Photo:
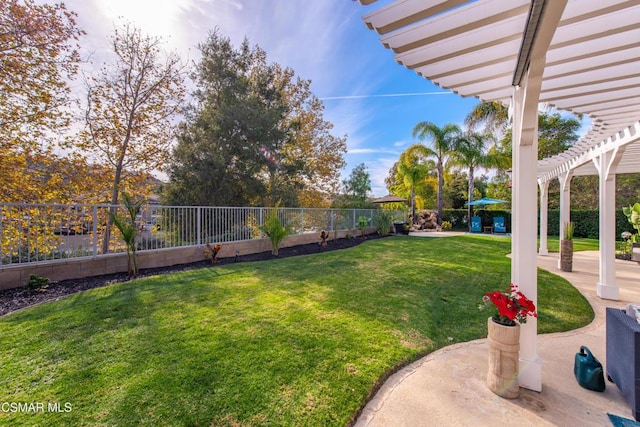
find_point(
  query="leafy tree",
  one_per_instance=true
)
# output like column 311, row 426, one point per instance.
column 442, row 141
column 255, row 135
column 455, row 189
column 493, row 116
column 585, row 191
column 130, row 107
column 628, row 189
column 555, row 135
column 499, row 187
column 310, row 158
column 38, row 55
column 231, row 134
column 356, row 189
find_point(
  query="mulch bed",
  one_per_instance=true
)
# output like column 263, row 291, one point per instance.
column 19, row 298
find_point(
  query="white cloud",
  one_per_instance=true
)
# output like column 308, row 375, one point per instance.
column 372, row 151
column 378, row 171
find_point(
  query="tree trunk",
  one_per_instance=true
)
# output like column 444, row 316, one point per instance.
column 114, row 201
column 440, row 185
column 413, row 204
column 470, row 197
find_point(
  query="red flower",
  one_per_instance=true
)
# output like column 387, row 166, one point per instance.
column 512, row 306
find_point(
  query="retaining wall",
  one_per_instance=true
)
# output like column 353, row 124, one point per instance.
column 16, row 276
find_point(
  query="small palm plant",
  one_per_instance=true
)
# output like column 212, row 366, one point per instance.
column 568, row 230
column 126, row 224
column 274, row 229
column 363, row 222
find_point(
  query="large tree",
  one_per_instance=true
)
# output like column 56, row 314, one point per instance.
column 309, row 160
column 254, row 136
column 441, row 142
column 38, row 55
column 131, row 105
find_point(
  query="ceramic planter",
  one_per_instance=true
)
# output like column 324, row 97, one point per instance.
column 504, row 349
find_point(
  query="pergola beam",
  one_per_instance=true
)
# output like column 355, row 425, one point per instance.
column 627, row 136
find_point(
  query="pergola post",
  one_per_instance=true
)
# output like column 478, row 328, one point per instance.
column 606, row 164
column 524, row 271
column 526, row 95
column 565, row 203
column 544, row 217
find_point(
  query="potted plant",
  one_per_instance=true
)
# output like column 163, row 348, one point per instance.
column 566, row 248
column 503, row 333
column 406, row 228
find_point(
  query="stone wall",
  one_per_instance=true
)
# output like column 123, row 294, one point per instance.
column 17, row 275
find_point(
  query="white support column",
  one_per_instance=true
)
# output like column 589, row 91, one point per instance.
column 524, row 232
column 565, row 203
column 544, row 214
column 526, row 95
column 606, row 164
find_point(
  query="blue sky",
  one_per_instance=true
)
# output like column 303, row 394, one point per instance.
column 324, row 41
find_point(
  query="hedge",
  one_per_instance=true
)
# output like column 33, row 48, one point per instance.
column 586, row 222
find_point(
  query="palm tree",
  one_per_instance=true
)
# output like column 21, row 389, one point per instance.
column 412, row 172
column 471, row 152
column 442, row 145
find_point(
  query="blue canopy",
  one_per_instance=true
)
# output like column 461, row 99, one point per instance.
column 485, row 201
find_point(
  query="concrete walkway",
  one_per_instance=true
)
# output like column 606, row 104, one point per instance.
column 447, row 387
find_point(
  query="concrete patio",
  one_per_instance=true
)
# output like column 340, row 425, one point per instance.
column 448, row 387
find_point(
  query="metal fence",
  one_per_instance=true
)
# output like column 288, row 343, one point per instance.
column 41, row 232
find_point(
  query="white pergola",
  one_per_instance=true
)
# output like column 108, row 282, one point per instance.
column 575, row 55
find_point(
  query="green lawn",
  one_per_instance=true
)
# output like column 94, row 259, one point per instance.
column 297, row 341
column 579, row 244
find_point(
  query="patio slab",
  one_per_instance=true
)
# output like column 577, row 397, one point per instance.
column 447, row 387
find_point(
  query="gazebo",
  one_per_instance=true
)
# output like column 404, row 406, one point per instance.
column 579, row 55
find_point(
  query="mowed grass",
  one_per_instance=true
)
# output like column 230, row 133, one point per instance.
column 296, row 341
column 579, row 244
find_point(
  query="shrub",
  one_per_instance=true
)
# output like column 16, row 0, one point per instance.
column 383, row 220
column 37, row 282
column 446, row 226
